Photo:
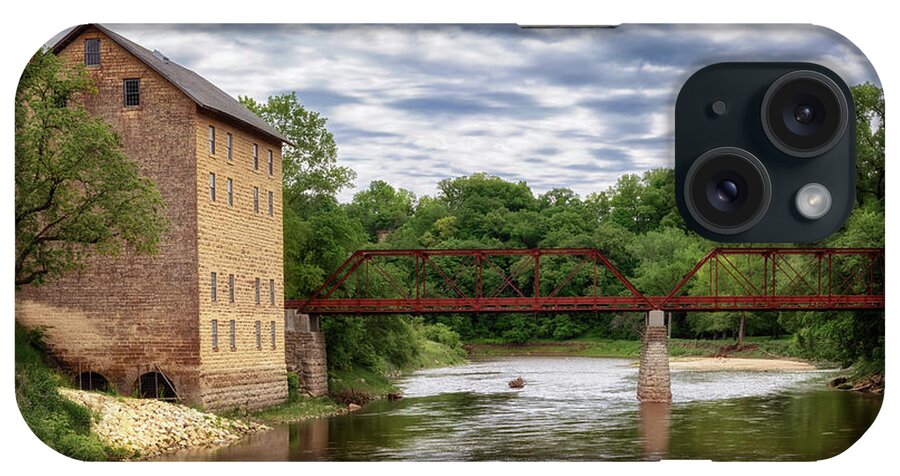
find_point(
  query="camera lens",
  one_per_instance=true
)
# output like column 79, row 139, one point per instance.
column 804, row 113
column 727, row 190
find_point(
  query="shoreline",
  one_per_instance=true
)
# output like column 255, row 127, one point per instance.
column 718, row 364
column 146, row 428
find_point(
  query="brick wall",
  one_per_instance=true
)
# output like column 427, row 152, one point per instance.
column 234, row 239
column 121, row 315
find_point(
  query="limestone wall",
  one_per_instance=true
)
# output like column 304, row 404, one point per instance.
column 653, row 376
column 305, row 353
column 242, row 243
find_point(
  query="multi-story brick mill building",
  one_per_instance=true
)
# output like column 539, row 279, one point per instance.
column 203, row 319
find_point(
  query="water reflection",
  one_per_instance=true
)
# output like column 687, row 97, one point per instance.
column 654, row 429
column 578, row 409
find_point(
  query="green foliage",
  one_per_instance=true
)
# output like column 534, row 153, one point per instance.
column 379, row 343
column 57, row 421
column 309, row 162
column 293, row 387
column 442, row 334
column 316, row 244
column 635, row 223
column 319, row 233
column 439, row 346
column 869, row 100
column 359, row 381
column 381, row 208
column 567, row 327
column 665, row 257
column 76, row 191
column 297, row 409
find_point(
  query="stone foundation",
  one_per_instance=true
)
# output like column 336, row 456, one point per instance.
column 653, row 376
column 304, row 345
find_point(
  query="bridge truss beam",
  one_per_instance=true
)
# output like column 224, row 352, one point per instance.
column 584, row 280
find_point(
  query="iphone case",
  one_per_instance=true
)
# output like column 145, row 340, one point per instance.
column 287, row 221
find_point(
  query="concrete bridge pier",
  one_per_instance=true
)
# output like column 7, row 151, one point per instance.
column 304, row 352
column 653, row 375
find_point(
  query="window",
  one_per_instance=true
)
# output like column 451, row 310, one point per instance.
column 212, row 286
column 271, row 202
column 214, row 333
column 272, row 292
column 255, row 157
column 132, row 89
column 257, row 290
column 272, row 328
column 258, row 334
column 212, row 140
column 212, row 187
column 271, row 164
column 230, row 288
column 92, row 52
column 230, row 192
column 256, row 199
column 228, row 146
column 231, row 341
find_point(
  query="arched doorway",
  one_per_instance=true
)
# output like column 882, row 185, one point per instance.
column 155, row 385
column 92, row 381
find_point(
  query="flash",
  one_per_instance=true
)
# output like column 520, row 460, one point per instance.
column 813, row 201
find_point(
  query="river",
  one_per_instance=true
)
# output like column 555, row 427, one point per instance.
column 577, row 409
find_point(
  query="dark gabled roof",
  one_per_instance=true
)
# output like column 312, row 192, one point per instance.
column 201, row 91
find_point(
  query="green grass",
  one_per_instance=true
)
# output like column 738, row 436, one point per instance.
column 60, row 423
column 434, row 354
column 359, row 380
column 300, row 408
column 360, row 385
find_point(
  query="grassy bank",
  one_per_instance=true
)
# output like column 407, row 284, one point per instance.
column 599, row 347
column 60, row 423
column 299, row 408
column 359, row 385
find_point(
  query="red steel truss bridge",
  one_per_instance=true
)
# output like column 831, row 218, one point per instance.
column 585, row 280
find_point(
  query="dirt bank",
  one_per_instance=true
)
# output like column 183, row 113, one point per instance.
column 147, row 428
column 734, row 363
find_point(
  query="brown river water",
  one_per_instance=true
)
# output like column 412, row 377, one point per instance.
column 576, row 408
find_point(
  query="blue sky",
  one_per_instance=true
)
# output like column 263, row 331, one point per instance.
column 554, row 107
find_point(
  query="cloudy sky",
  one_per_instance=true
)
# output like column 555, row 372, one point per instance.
column 553, row 107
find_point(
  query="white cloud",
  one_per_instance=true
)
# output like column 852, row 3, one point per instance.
column 557, row 108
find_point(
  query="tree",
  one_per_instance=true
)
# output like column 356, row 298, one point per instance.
column 318, row 233
column 869, row 101
column 76, row 191
column 309, row 162
column 665, row 257
column 382, row 208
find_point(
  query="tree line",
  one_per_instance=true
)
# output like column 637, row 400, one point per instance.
column 635, row 222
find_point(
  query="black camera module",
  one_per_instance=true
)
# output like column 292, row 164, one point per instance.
column 727, row 190
column 779, row 166
column 804, row 113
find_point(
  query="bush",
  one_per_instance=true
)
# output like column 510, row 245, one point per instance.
column 566, row 327
column 293, row 383
column 57, row 421
column 442, row 334
column 374, row 342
